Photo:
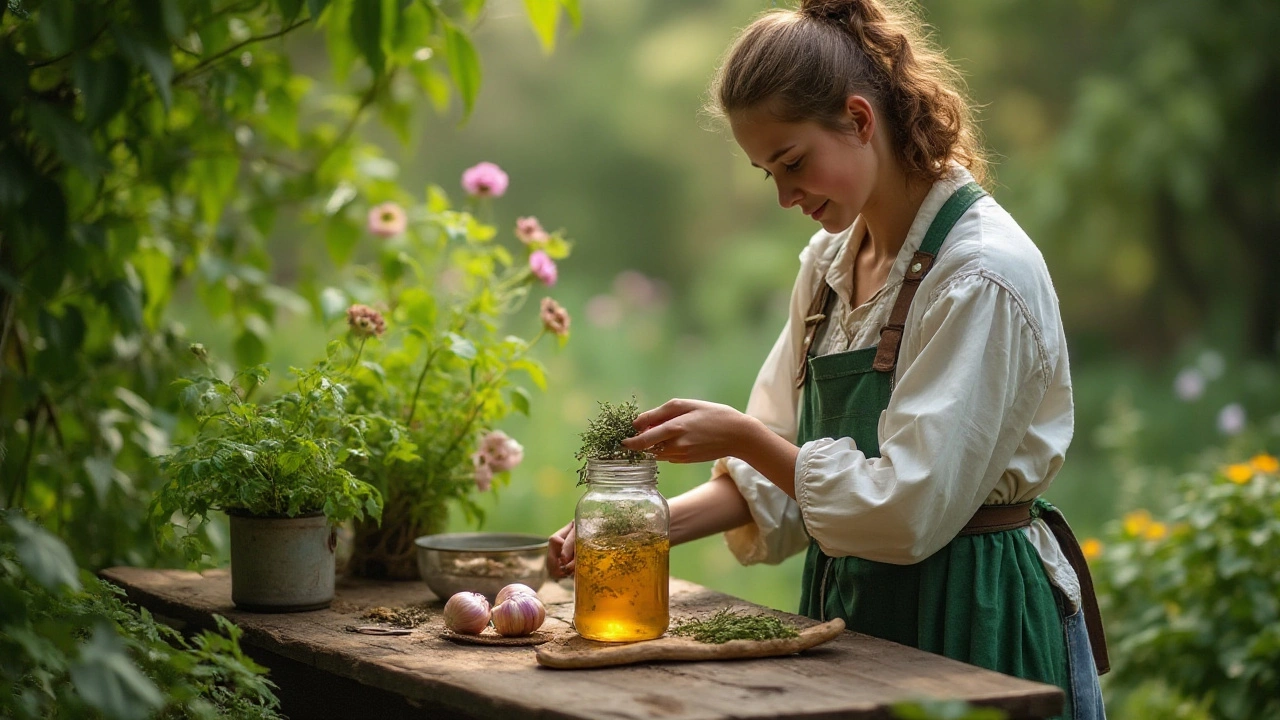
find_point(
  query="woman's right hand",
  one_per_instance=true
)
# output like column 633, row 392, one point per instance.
column 560, row 549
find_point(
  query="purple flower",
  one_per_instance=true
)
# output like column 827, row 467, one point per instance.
column 1232, row 419
column 1189, row 385
column 543, row 267
column 484, row 180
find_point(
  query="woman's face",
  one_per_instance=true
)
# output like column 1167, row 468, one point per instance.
column 827, row 174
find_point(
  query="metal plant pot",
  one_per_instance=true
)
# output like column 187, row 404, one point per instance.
column 281, row 564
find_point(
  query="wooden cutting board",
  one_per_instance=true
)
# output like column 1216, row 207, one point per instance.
column 578, row 652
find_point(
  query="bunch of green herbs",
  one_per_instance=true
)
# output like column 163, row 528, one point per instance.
column 729, row 624
column 603, row 437
column 286, row 457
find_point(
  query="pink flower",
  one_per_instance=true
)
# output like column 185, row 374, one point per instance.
column 364, row 321
column 387, row 220
column 530, row 231
column 484, row 180
column 636, row 288
column 554, row 317
column 604, row 311
column 1232, row 419
column 1189, row 385
column 484, row 473
column 501, row 453
column 543, row 266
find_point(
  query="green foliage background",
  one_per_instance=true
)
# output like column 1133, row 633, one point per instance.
column 164, row 197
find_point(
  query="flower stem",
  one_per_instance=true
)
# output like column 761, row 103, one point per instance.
column 413, row 404
column 356, row 359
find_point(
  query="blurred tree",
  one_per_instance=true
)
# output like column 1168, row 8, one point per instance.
column 1140, row 151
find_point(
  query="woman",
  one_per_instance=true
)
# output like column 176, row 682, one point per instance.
column 918, row 401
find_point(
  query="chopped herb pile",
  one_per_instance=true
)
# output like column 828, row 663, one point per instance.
column 604, row 435
column 409, row 616
column 729, row 625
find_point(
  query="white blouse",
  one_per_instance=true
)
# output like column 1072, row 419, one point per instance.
column 981, row 410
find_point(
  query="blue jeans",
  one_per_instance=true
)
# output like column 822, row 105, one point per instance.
column 1086, row 693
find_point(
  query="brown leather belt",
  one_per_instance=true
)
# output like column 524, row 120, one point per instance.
column 998, row 518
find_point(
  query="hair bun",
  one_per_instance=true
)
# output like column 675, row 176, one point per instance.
column 839, row 11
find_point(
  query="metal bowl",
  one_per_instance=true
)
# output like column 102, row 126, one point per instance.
column 481, row 562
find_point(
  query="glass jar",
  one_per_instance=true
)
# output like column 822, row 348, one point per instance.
column 621, row 553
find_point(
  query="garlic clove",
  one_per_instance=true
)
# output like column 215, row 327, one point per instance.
column 519, row 615
column 467, row 612
column 513, row 589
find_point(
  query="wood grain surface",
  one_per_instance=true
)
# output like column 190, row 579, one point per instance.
column 852, row 676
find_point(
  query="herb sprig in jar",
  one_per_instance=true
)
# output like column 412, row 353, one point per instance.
column 603, row 437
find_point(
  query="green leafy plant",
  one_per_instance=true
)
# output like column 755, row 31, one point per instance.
column 70, row 646
column 446, row 367
column 1192, row 601
column 282, row 458
column 153, row 150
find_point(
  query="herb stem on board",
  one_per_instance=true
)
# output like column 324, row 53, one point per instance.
column 728, row 625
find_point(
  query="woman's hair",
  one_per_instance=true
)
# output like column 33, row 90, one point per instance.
column 805, row 63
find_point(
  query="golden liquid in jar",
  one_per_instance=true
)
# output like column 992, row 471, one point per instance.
column 621, row 588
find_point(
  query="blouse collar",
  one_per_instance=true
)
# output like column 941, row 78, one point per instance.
column 839, row 273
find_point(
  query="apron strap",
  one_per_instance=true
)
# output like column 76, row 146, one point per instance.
column 812, row 319
column 1088, row 597
column 921, row 263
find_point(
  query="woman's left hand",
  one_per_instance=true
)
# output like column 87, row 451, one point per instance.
column 690, row 431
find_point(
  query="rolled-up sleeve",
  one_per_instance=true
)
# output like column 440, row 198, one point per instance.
column 970, row 379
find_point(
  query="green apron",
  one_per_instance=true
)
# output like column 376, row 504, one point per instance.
column 982, row 599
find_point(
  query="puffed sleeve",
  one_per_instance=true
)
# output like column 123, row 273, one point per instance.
column 967, row 391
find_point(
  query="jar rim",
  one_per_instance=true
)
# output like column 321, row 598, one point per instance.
column 622, row 470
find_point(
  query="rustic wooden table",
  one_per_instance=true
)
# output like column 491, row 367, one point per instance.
column 325, row 671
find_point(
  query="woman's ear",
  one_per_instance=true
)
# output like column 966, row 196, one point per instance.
column 861, row 117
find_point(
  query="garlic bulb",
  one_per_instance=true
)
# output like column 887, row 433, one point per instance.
column 467, row 612
column 513, row 589
column 519, row 615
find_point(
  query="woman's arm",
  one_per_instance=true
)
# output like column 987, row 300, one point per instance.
column 710, row 508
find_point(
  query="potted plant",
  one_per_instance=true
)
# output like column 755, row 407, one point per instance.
column 447, row 369
column 281, row 471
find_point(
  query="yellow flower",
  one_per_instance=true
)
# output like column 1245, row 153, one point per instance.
column 1265, row 463
column 1091, row 548
column 1136, row 522
column 1240, row 473
column 1155, row 531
